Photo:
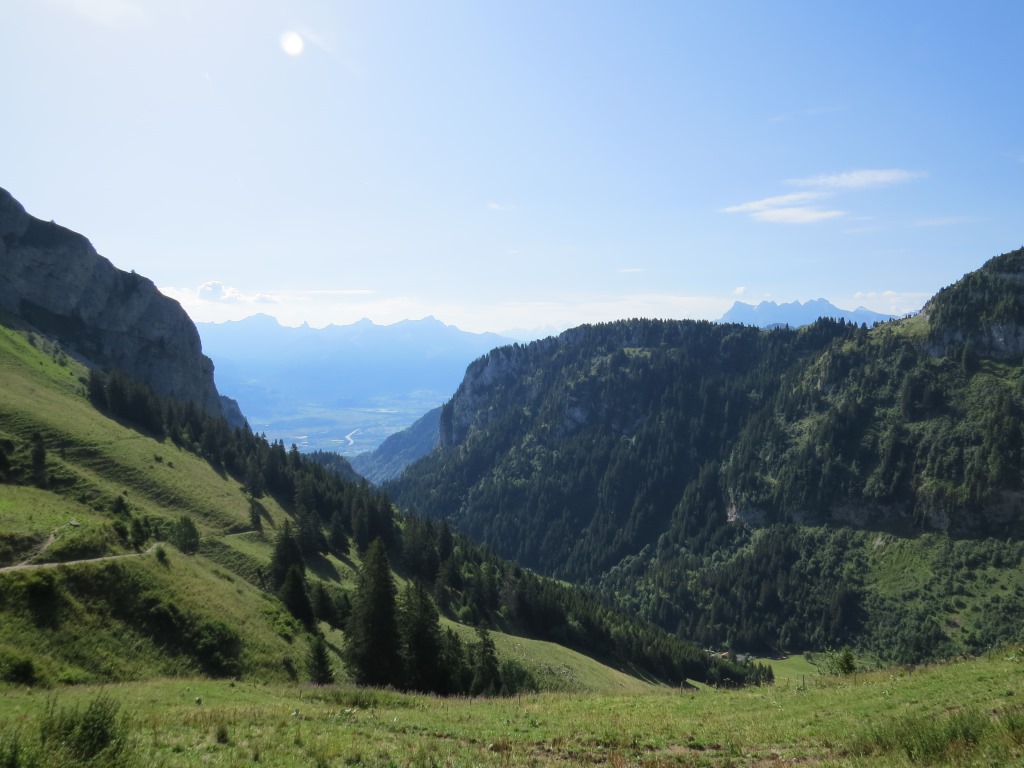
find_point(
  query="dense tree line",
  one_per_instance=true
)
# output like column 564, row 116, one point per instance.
column 448, row 573
column 635, row 456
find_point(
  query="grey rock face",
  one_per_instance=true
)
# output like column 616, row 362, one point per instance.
column 53, row 279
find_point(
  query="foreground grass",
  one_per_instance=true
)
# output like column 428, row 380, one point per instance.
column 964, row 713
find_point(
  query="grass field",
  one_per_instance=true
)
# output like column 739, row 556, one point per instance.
column 792, row 670
column 964, row 713
column 79, row 632
column 74, row 626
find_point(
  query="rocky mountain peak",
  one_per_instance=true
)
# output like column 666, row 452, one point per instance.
column 53, row 280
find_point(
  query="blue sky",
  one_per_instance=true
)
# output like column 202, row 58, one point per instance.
column 520, row 164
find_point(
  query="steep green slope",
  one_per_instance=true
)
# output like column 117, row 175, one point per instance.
column 644, row 456
column 93, row 513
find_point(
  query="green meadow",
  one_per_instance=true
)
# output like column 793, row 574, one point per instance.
column 963, row 713
column 86, row 684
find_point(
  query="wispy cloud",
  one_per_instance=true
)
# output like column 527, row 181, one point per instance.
column 216, row 291
column 858, row 179
column 215, row 301
column 787, row 209
column 774, row 202
column 795, row 215
column 500, row 206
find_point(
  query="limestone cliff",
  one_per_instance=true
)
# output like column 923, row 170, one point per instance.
column 53, row 279
column 983, row 311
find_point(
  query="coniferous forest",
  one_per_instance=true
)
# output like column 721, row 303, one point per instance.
column 727, row 483
column 395, row 638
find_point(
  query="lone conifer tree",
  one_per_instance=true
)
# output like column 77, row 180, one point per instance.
column 286, row 554
column 372, row 648
column 319, row 662
column 295, row 597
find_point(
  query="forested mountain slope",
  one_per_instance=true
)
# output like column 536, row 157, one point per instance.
column 641, row 453
column 190, row 548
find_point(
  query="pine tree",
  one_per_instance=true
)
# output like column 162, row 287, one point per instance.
column 286, row 554
column 323, row 604
column 337, row 537
column 318, row 663
column 420, row 636
column 185, row 535
column 372, row 650
column 486, row 673
column 295, row 597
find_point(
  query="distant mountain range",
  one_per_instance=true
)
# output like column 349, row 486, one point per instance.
column 343, row 387
column 795, row 314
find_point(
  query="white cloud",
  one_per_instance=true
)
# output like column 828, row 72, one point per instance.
column 795, row 215
column 739, row 291
column 629, row 270
column 862, row 179
column 773, row 202
column 216, row 291
column 784, row 209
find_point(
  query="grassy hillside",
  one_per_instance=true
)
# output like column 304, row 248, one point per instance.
column 92, row 588
column 960, row 714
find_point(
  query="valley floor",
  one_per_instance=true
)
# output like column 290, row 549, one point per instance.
column 964, row 713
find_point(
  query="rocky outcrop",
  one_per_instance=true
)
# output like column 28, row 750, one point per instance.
column 53, row 280
column 983, row 311
column 500, row 368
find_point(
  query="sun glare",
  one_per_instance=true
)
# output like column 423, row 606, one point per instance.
column 292, row 43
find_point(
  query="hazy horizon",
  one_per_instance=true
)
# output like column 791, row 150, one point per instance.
column 520, row 166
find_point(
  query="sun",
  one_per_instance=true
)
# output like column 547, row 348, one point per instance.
column 292, row 43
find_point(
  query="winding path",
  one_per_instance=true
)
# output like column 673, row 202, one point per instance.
column 24, row 566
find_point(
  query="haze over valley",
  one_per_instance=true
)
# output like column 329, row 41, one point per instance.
column 475, row 384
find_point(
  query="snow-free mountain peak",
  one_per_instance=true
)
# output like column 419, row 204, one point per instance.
column 796, row 313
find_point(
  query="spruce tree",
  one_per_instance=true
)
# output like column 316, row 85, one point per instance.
column 420, row 631
column 337, row 537
column 372, row 650
column 295, row 597
column 286, row 554
column 323, row 604
column 318, row 663
column 185, row 535
column 486, row 673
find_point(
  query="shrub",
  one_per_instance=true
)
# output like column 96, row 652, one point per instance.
column 925, row 739
column 96, row 735
column 18, row 669
column 515, row 678
column 221, row 734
